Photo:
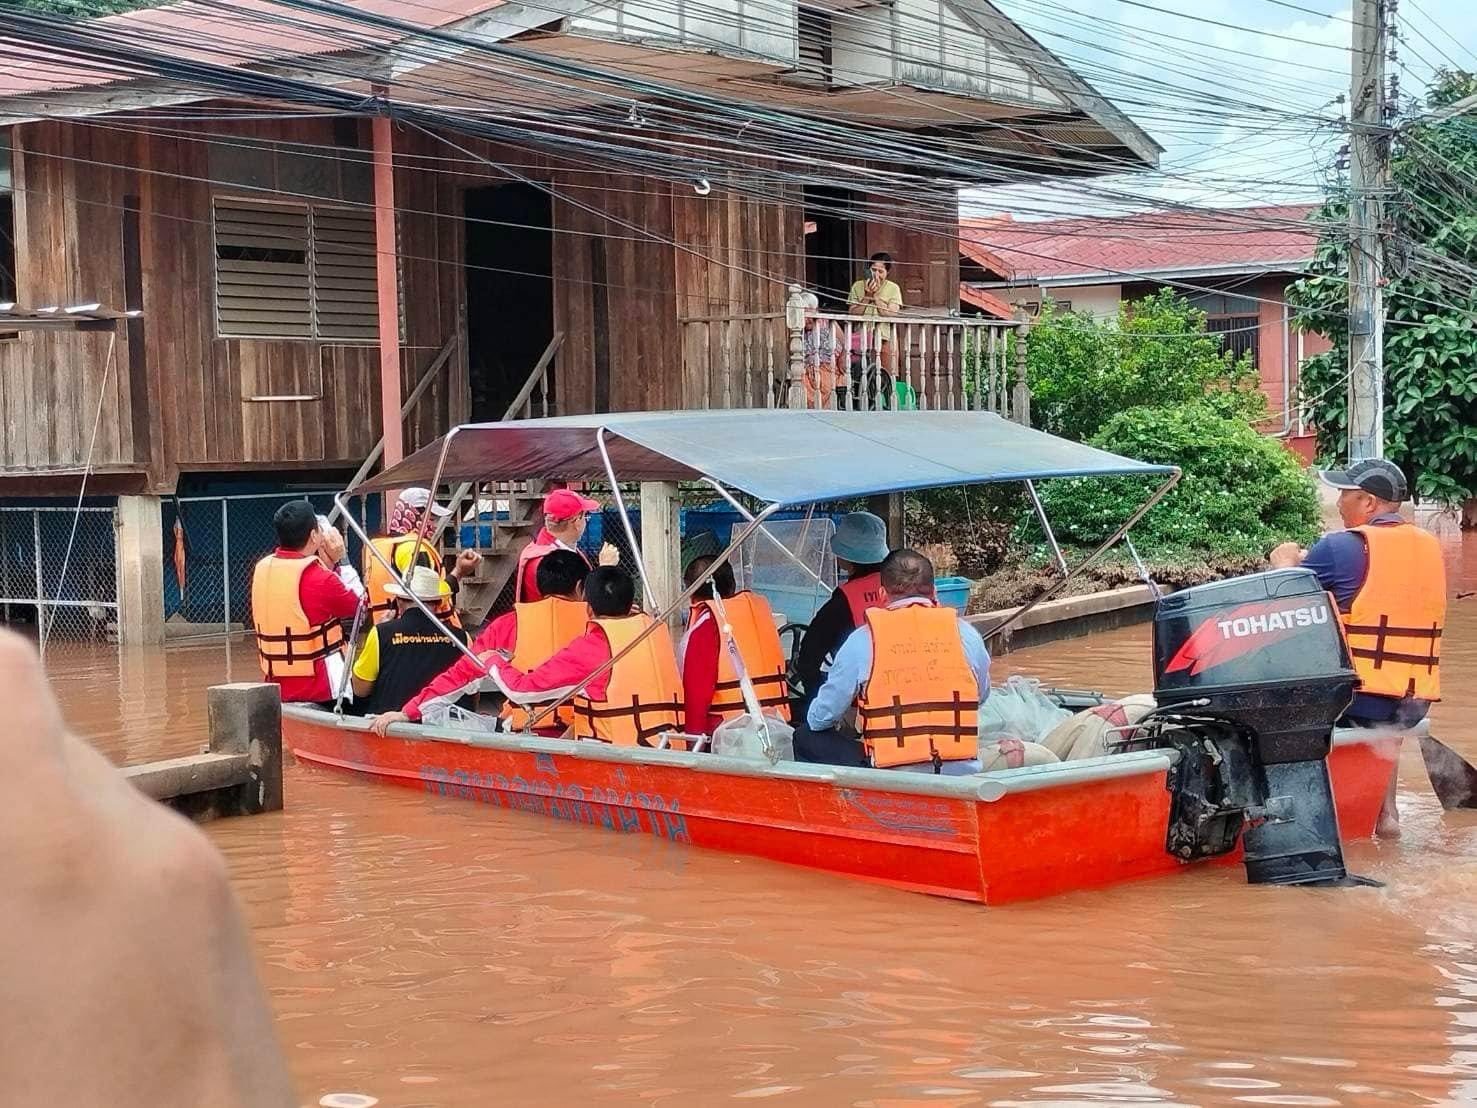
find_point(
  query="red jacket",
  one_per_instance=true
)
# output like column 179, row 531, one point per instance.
column 323, row 597
column 567, row 668
column 464, row 676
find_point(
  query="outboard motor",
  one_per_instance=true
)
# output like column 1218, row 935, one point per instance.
column 1250, row 675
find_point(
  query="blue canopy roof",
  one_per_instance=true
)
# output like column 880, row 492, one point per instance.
column 780, row 456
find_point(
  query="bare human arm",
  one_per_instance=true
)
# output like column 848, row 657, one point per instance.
column 128, row 971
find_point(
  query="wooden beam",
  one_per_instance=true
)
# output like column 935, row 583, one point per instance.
column 388, row 284
column 661, row 545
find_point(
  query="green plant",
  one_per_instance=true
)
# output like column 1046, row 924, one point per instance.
column 1241, row 493
column 1155, row 353
column 1430, row 335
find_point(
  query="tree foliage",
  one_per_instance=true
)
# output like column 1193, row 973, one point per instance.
column 1241, row 492
column 83, row 9
column 1155, row 353
column 1430, row 336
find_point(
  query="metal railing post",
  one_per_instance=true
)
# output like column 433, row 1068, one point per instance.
column 225, row 565
column 40, row 584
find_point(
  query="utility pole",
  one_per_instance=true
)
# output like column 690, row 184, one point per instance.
column 1369, row 180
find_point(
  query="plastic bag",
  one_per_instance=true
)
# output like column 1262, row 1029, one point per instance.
column 1019, row 710
column 456, row 718
column 744, row 737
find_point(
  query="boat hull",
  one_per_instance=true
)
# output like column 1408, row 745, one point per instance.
column 993, row 838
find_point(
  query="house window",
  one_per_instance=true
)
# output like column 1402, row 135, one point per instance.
column 295, row 271
column 1238, row 334
column 813, row 37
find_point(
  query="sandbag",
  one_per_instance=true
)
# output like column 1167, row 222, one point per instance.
column 1019, row 709
column 744, row 737
column 1013, row 753
column 1089, row 732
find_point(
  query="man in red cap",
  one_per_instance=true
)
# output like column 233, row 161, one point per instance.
column 565, row 513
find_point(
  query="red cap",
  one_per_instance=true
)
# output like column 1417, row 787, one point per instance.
column 565, row 504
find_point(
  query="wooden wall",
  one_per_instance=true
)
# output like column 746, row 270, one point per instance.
column 632, row 257
column 69, row 250
column 926, row 261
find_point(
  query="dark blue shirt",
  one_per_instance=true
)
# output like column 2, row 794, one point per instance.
column 1341, row 561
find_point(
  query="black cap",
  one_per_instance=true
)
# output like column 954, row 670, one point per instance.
column 1375, row 476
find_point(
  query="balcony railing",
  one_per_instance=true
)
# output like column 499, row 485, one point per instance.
column 832, row 360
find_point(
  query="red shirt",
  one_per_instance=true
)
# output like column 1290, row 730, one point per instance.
column 530, row 570
column 323, row 597
column 700, row 674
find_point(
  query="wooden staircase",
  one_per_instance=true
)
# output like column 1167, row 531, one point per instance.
column 491, row 588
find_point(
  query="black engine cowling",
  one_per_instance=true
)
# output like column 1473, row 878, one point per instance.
column 1251, row 674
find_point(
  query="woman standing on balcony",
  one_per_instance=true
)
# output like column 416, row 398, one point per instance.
column 826, row 375
column 872, row 297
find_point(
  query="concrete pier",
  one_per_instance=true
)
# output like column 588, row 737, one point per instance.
column 239, row 773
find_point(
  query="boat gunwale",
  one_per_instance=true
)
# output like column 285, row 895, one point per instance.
column 987, row 786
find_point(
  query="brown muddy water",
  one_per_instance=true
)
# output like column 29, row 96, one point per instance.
column 430, row 952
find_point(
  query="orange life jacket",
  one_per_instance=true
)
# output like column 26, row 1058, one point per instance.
column 920, row 702
column 863, row 594
column 544, row 628
column 376, row 576
column 1395, row 623
column 287, row 644
column 644, row 695
column 751, row 625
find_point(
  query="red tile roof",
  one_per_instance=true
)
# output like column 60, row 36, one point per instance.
column 1146, row 243
column 249, row 31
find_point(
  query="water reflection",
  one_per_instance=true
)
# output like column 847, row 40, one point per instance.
column 430, row 952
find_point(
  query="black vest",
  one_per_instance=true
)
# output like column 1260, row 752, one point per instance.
column 413, row 650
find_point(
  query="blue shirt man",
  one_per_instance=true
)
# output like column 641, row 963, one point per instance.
column 826, row 737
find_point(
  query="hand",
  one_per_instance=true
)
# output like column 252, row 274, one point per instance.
column 113, row 899
column 466, row 564
column 1287, row 556
column 874, row 285
column 381, row 723
column 609, row 555
column 331, row 548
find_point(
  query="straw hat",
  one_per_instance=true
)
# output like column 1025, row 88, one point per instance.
column 424, row 583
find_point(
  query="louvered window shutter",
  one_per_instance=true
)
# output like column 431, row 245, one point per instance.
column 262, row 284
column 344, row 296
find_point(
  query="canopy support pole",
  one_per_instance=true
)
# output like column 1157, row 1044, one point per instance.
column 1112, row 539
column 647, row 597
column 1056, row 550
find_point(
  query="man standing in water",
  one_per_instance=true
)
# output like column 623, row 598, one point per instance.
column 1389, row 581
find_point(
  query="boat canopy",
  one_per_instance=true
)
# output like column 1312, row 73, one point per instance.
column 782, row 456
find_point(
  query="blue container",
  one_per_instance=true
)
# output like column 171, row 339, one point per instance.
column 953, row 591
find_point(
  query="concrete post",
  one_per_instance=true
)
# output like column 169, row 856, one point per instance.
column 247, row 719
column 661, row 543
column 140, row 568
column 1021, row 402
column 795, row 325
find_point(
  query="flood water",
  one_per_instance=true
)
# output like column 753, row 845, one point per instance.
column 431, row 952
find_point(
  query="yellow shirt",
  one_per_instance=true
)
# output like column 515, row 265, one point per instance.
column 367, row 665
column 889, row 295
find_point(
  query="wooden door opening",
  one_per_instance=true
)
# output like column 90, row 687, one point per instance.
column 830, row 244
column 510, row 292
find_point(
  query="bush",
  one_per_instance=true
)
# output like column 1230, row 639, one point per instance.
column 1241, row 493
column 1156, row 353
column 974, row 524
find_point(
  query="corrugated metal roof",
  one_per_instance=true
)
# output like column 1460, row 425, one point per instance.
column 1142, row 243
column 256, row 31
